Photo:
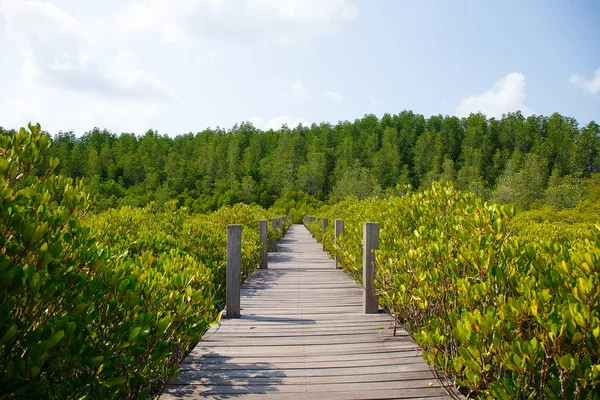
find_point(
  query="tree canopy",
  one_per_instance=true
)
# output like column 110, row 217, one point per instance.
column 512, row 159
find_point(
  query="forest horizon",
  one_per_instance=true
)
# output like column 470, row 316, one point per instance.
column 514, row 159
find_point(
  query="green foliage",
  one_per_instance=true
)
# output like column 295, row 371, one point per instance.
column 296, row 205
column 563, row 192
column 566, row 226
column 507, row 159
column 506, row 317
column 104, row 306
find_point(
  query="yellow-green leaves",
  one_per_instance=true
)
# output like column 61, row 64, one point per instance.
column 518, row 315
column 108, row 304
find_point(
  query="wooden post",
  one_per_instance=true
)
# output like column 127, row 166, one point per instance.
column 370, row 243
column 325, row 222
column 280, row 223
column 274, row 229
column 234, row 256
column 262, row 232
column 339, row 229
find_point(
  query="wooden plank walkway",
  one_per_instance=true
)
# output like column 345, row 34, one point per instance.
column 303, row 335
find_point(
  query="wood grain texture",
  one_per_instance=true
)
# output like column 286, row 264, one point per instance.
column 262, row 232
column 370, row 243
column 303, row 334
column 234, row 258
column 274, row 229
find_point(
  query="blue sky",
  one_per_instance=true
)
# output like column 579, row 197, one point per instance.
column 184, row 65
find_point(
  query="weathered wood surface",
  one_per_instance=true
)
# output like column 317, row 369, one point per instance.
column 234, row 258
column 303, row 335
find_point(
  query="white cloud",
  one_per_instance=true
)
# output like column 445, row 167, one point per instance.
column 338, row 98
column 59, row 51
column 108, row 66
column 264, row 21
column 131, row 79
column 258, row 122
column 507, row 94
column 276, row 122
column 165, row 17
column 68, row 79
column 78, row 112
column 591, row 86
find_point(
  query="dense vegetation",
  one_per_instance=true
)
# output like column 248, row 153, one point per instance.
column 505, row 315
column 112, row 248
column 103, row 306
column 514, row 160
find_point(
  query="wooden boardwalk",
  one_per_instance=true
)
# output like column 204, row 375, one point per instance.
column 303, row 335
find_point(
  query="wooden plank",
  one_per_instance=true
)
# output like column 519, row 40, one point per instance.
column 369, row 338
column 389, row 358
column 228, row 334
column 406, row 389
column 286, row 351
column 412, row 361
column 354, row 395
column 261, row 379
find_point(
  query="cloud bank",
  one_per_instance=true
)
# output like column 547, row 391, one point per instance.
column 506, row 95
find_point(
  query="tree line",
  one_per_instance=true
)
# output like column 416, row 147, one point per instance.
column 513, row 159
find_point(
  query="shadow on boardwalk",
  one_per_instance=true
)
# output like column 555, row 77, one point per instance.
column 221, row 378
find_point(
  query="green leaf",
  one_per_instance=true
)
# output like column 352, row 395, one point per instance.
column 10, row 333
column 53, row 341
column 115, row 381
column 134, row 332
column 123, row 285
column 3, row 165
column 163, row 325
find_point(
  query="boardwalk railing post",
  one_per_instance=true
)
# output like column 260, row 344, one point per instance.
column 262, row 232
column 280, row 221
column 339, row 229
column 274, row 229
column 234, row 256
column 370, row 243
column 325, row 223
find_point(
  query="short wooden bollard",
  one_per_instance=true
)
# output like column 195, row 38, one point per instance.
column 339, row 229
column 280, row 226
column 274, row 229
column 262, row 232
column 234, row 256
column 370, row 243
column 325, row 222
